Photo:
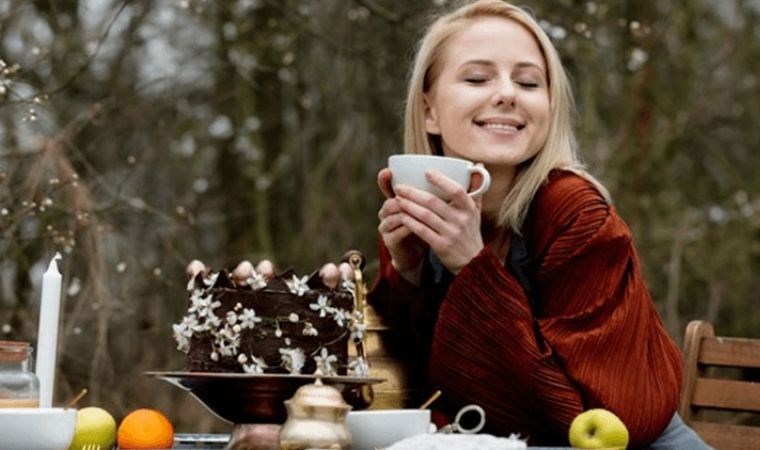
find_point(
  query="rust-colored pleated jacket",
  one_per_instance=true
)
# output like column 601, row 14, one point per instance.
column 600, row 342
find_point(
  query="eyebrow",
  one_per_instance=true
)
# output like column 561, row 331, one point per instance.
column 489, row 63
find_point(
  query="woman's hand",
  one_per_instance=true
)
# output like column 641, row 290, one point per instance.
column 407, row 250
column 451, row 229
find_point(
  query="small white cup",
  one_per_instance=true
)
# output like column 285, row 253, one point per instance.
column 372, row 429
column 410, row 170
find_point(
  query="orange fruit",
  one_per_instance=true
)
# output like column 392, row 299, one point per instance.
column 145, row 428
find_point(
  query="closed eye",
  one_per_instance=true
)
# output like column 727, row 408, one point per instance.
column 527, row 84
column 475, row 80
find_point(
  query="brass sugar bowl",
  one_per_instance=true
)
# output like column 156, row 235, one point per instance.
column 316, row 419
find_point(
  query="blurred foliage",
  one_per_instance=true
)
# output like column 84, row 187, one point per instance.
column 138, row 135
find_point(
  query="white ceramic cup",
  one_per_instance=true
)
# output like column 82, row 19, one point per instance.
column 410, row 170
column 381, row 428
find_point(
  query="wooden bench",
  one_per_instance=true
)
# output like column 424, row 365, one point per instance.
column 704, row 392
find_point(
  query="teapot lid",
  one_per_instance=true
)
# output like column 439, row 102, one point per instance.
column 318, row 394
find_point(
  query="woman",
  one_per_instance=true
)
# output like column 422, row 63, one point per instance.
column 528, row 301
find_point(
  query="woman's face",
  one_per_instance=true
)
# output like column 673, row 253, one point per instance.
column 490, row 103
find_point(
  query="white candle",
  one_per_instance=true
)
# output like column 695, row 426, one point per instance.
column 47, row 334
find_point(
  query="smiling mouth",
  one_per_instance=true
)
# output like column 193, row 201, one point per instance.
column 501, row 127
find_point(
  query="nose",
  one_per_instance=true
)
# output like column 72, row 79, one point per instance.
column 505, row 93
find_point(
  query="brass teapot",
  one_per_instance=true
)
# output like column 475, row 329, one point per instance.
column 397, row 391
column 316, row 419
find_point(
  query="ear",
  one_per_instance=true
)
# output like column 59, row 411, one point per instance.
column 431, row 116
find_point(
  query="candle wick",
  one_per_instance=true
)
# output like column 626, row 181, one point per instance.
column 53, row 264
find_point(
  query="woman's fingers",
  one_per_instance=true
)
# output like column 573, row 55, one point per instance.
column 431, row 237
column 390, row 207
column 384, row 182
column 451, row 229
column 390, row 223
column 398, row 234
column 423, row 213
column 451, row 188
column 389, row 216
column 425, row 199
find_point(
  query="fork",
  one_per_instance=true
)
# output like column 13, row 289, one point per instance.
column 91, row 447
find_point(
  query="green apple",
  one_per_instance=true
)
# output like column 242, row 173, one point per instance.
column 95, row 426
column 598, row 428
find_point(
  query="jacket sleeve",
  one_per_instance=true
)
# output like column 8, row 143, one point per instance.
column 601, row 342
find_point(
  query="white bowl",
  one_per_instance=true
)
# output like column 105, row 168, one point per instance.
column 380, row 428
column 37, row 428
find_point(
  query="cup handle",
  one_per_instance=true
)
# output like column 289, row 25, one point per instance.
column 486, row 180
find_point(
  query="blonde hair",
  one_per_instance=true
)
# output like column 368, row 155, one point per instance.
column 560, row 148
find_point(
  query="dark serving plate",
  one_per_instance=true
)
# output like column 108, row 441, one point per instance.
column 256, row 398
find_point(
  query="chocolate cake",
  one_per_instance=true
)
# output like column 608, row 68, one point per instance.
column 284, row 325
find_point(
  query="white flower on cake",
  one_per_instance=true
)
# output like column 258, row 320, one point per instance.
column 227, row 349
column 325, row 362
column 183, row 343
column 339, row 315
column 228, row 334
column 212, row 322
column 322, row 305
column 227, row 341
column 232, row 318
column 293, row 317
column 309, row 330
column 357, row 330
column 249, row 319
column 257, row 281
column 297, row 285
column 210, row 280
column 202, row 306
column 293, row 359
column 359, row 367
column 348, row 285
column 257, row 365
column 188, row 324
column 183, row 331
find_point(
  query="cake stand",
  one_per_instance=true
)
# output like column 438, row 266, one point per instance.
column 254, row 403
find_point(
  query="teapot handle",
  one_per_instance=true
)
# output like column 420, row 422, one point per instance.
column 364, row 395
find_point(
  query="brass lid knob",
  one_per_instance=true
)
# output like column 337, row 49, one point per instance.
column 318, row 394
